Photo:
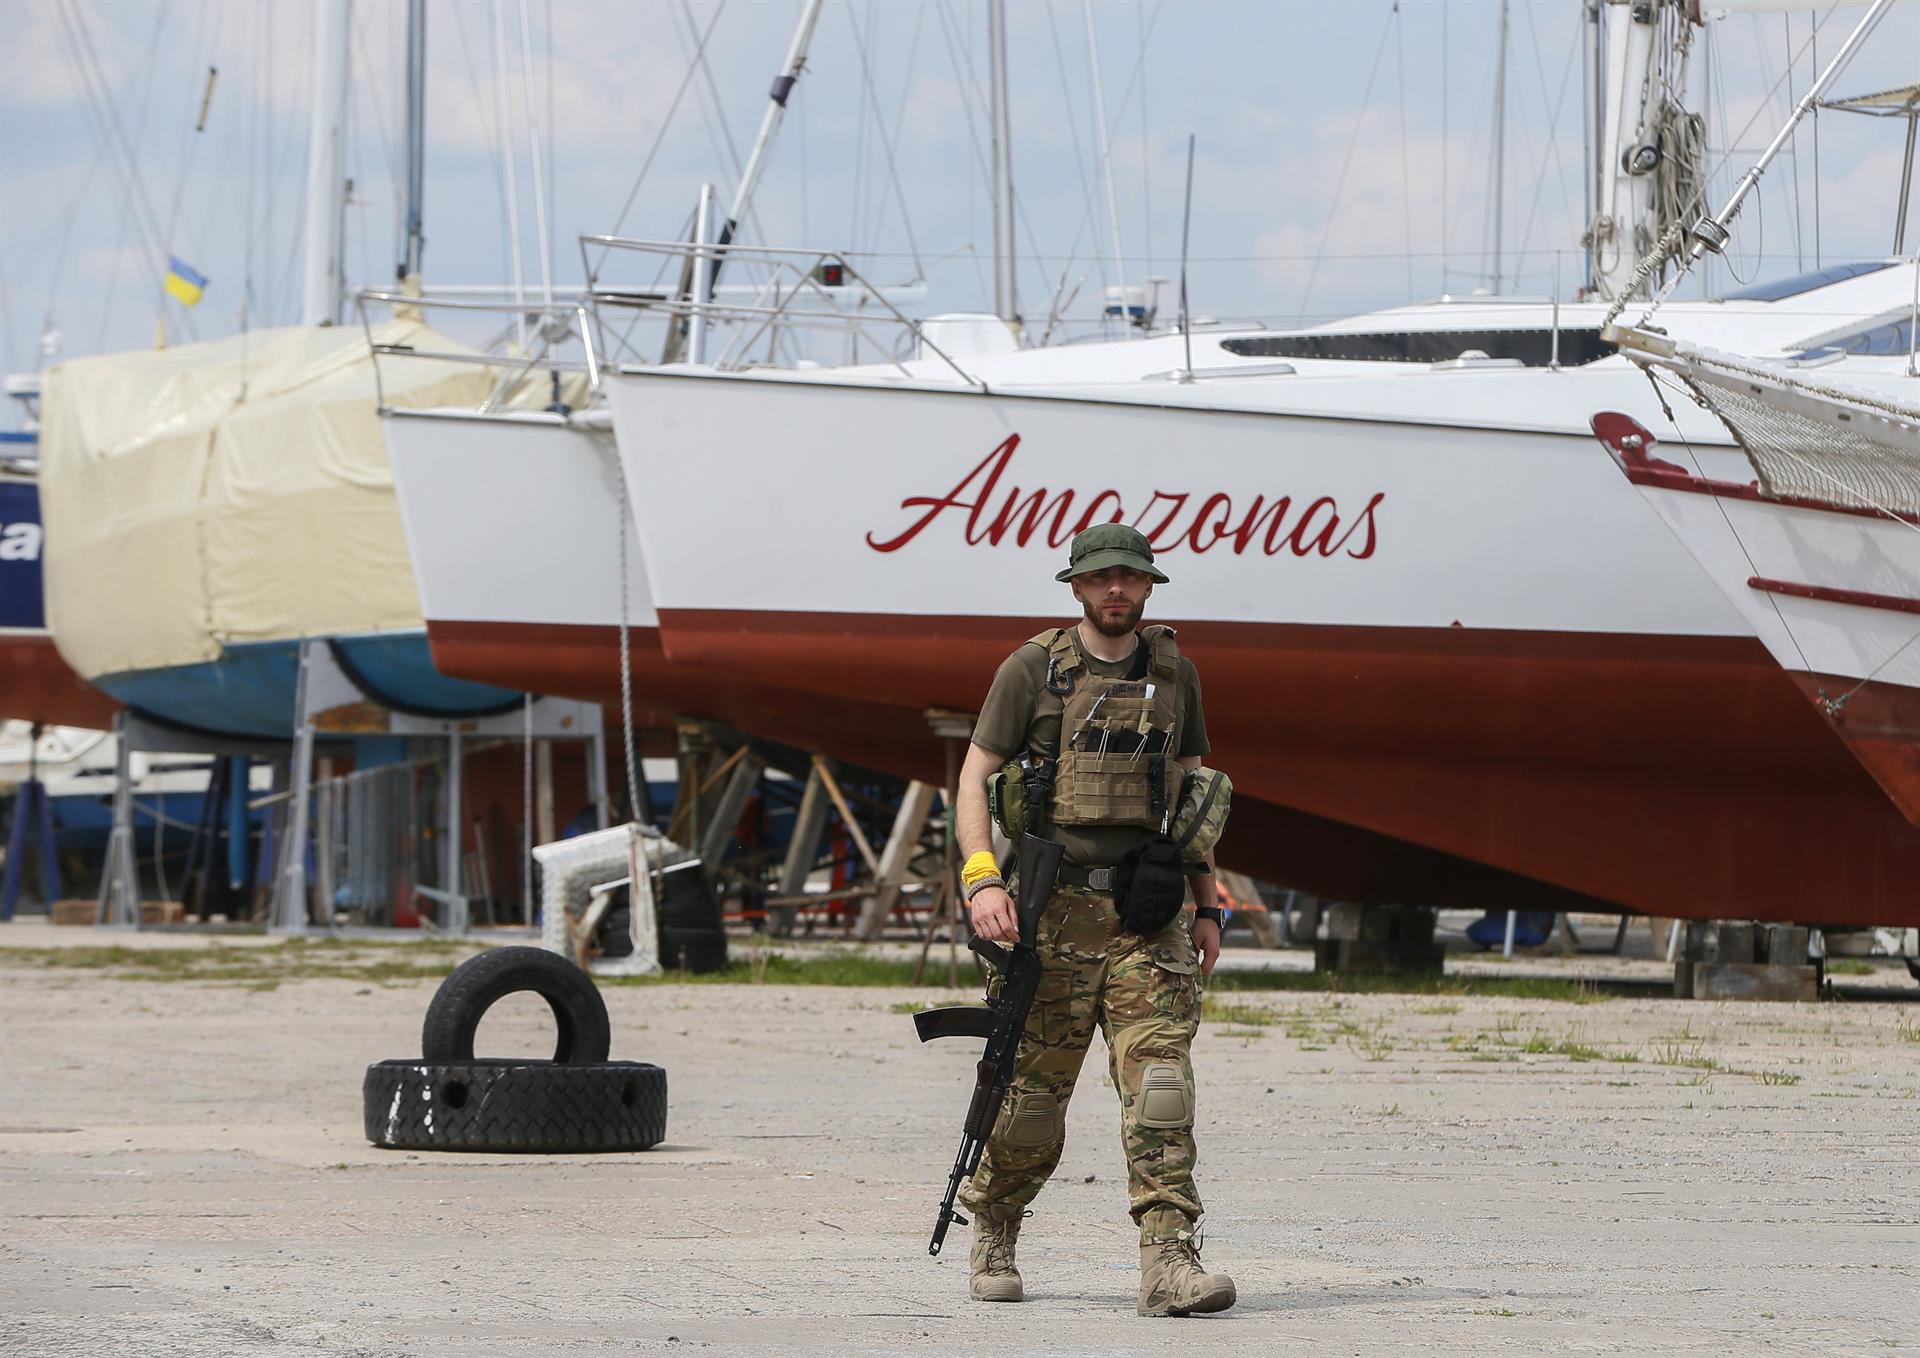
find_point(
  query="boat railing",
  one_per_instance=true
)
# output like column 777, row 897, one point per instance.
column 526, row 346
column 725, row 324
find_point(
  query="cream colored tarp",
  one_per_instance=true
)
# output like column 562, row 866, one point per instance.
column 231, row 491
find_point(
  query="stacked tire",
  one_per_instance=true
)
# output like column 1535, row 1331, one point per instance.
column 449, row 1100
column 692, row 937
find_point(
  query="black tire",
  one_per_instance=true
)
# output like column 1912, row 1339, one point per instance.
column 693, row 950
column 478, row 983
column 686, row 899
column 506, row 1105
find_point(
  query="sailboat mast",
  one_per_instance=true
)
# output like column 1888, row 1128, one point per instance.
column 1006, row 299
column 790, row 72
column 1593, row 75
column 323, row 274
column 1498, row 194
column 409, row 270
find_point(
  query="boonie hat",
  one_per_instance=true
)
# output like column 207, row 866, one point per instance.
column 1110, row 544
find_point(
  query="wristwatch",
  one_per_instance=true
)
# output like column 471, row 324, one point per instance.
column 1212, row 912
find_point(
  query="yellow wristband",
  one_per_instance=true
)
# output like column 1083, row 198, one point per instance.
column 978, row 866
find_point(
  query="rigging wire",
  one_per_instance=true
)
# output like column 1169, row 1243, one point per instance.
column 1697, row 199
column 666, row 123
column 1706, row 402
column 906, row 88
column 886, row 147
column 123, row 158
column 384, row 137
column 969, row 94
column 1346, row 163
column 1146, row 156
column 544, row 241
column 718, row 112
column 1551, row 155
column 1406, row 173
column 1106, row 157
column 484, row 116
column 504, row 109
column 1793, row 145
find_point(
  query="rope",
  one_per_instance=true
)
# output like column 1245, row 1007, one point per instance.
column 1657, row 255
column 526, row 807
column 626, row 661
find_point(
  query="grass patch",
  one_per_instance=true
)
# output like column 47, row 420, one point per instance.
column 1681, row 1052
column 1782, row 1078
column 836, row 967
column 1244, row 1033
column 1371, row 1043
column 1848, row 966
column 1244, row 1015
column 259, row 968
column 1393, row 983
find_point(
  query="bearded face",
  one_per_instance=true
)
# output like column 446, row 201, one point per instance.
column 1113, row 600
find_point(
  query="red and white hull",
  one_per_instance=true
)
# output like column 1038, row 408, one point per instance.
column 514, row 527
column 37, row 684
column 1472, row 643
column 1832, row 591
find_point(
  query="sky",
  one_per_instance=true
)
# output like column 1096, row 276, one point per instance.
column 1343, row 153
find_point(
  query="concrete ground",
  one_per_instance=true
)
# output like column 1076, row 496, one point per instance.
column 182, row 1171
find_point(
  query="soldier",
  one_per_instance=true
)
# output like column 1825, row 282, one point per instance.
column 1104, row 719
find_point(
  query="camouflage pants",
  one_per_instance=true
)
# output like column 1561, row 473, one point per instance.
column 1144, row 996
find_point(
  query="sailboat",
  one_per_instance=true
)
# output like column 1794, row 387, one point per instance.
column 209, row 505
column 1424, row 617
column 36, row 684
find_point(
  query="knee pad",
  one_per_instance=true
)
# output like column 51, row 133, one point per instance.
column 1031, row 1120
column 1166, row 1096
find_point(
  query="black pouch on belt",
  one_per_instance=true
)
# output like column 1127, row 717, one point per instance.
column 1149, row 886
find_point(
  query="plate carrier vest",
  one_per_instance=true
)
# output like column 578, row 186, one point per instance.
column 1115, row 764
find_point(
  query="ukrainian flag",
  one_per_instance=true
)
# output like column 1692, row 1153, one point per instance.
column 184, row 282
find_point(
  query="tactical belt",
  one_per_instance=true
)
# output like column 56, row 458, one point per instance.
column 1102, row 879
column 1094, row 879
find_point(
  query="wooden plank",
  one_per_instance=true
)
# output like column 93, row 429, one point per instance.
column 1266, row 931
column 896, row 858
column 1755, row 981
column 731, row 805
column 544, row 830
column 858, row 835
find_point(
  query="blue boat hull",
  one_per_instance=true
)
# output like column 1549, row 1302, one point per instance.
column 250, row 691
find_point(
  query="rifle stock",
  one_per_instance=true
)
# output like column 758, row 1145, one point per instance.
column 1001, row 1022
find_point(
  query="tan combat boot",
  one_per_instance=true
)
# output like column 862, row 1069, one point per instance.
column 994, row 1276
column 1172, row 1282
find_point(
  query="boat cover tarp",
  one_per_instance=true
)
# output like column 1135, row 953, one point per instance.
column 229, row 492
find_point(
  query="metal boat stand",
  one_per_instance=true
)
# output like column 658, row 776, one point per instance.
column 118, row 905
column 330, row 704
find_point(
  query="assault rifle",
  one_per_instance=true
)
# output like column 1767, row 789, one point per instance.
column 1001, row 1022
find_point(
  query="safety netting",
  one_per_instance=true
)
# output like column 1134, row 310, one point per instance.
column 1812, row 440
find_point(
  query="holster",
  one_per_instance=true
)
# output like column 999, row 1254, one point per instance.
column 1149, row 886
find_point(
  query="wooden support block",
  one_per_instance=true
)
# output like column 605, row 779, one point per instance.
column 1266, row 930
column 858, row 835
column 84, row 912
column 896, row 857
column 1396, row 938
column 1784, row 944
column 730, row 806
column 1750, row 981
column 803, row 849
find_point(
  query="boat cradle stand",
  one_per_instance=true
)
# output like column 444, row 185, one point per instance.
column 1726, row 960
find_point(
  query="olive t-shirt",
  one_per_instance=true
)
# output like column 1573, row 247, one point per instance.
column 1011, row 721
